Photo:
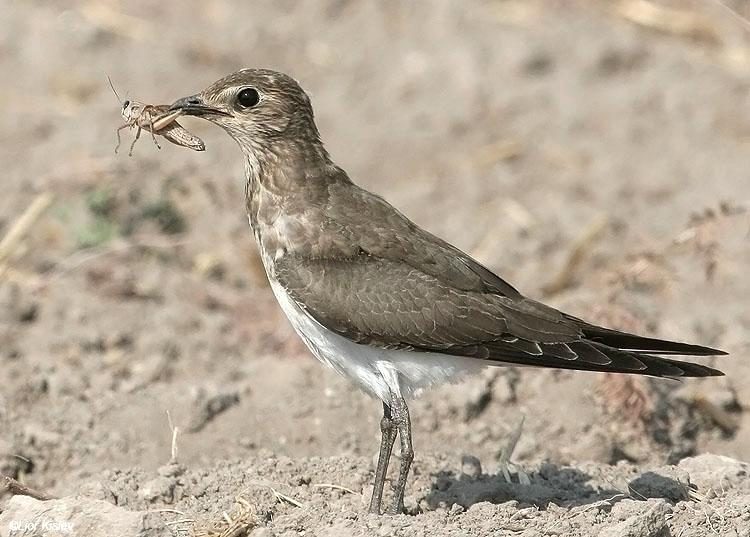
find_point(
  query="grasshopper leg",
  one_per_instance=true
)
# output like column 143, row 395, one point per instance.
column 119, row 140
column 151, row 130
column 137, row 135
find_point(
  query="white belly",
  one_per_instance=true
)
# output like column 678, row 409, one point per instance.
column 379, row 372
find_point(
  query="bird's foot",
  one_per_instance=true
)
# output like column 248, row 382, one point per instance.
column 396, row 505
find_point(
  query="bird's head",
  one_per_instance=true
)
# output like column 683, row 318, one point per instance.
column 259, row 108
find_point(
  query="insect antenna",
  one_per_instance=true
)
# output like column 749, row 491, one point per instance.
column 111, row 85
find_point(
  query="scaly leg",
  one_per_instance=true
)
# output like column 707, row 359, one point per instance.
column 387, row 438
column 401, row 420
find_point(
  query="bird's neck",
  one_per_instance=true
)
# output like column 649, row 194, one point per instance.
column 283, row 165
column 288, row 197
column 284, row 177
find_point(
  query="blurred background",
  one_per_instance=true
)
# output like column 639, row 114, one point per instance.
column 593, row 153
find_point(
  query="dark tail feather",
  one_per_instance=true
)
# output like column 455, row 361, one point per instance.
column 622, row 362
column 594, row 356
column 633, row 343
column 690, row 369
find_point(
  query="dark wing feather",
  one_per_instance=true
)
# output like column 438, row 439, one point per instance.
column 392, row 304
column 388, row 234
column 631, row 342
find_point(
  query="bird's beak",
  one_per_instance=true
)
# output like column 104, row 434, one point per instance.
column 195, row 106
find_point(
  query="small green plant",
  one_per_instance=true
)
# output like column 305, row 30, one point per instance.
column 96, row 232
column 166, row 215
column 101, row 202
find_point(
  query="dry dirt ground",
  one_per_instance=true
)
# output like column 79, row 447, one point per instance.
column 610, row 138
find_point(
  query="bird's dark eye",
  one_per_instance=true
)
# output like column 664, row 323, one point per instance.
column 126, row 104
column 248, row 97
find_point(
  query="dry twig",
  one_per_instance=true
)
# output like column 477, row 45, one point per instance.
column 17, row 488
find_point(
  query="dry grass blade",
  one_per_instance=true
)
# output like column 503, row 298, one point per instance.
column 19, row 229
column 735, row 14
column 243, row 518
column 280, row 497
column 596, row 505
column 501, row 150
column 173, row 511
column 288, row 499
column 82, row 257
column 180, row 527
column 180, row 521
column 515, row 12
column 581, row 247
column 485, row 249
column 22, row 225
column 332, row 486
column 680, row 22
column 175, row 431
column 505, row 463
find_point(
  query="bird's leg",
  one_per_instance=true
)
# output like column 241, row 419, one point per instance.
column 387, row 438
column 400, row 413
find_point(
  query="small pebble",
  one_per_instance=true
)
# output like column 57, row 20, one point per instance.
column 471, row 466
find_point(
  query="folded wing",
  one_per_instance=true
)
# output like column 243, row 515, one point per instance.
column 391, row 304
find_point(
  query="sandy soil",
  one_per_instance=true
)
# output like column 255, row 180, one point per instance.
column 522, row 132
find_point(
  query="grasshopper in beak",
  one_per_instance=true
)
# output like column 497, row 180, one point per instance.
column 156, row 119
